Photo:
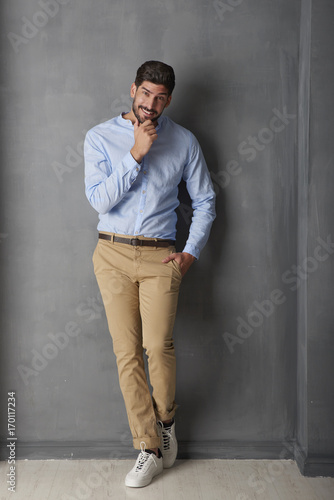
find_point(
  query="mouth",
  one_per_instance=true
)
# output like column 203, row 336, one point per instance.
column 148, row 113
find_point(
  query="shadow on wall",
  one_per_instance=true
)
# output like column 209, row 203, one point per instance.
column 197, row 349
column 193, row 101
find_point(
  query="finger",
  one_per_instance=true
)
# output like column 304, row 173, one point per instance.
column 169, row 258
column 149, row 129
column 147, row 123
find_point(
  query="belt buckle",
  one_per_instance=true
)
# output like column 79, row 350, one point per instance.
column 135, row 242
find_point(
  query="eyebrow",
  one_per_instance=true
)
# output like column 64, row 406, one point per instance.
column 160, row 93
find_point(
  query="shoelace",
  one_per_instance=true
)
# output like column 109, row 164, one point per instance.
column 143, row 458
column 166, row 437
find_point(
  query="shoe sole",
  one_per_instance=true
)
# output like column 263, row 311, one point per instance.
column 132, row 484
column 168, row 466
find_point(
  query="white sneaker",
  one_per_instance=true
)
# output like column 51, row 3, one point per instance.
column 168, row 444
column 146, row 467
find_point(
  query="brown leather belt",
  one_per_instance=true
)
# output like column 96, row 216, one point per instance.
column 136, row 241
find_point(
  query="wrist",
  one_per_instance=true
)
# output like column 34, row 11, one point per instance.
column 136, row 156
column 189, row 256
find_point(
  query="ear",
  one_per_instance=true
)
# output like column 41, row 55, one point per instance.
column 168, row 101
column 133, row 90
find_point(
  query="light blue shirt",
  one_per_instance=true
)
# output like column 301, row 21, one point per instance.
column 141, row 199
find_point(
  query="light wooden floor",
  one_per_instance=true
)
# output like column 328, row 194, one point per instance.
column 187, row 480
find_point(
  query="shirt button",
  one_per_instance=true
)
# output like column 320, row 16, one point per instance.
column 144, row 191
column 145, row 172
column 136, row 232
column 141, row 211
column 137, row 169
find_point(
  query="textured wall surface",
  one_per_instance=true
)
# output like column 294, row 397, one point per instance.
column 68, row 65
column 321, row 222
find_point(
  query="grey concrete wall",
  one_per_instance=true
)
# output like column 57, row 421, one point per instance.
column 315, row 343
column 70, row 66
column 320, row 317
column 302, row 223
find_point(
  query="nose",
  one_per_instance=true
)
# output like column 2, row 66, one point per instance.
column 150, row 102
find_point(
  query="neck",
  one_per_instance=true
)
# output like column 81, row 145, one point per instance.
column 130, row 116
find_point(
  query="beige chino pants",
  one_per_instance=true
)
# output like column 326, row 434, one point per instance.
column 140, row 295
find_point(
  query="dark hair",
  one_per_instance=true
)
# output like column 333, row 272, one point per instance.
column 156, row 72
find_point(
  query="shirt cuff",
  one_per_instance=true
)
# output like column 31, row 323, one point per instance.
column 132, row 165
column 194, row 251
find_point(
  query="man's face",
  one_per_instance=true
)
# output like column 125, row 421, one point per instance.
column 149, row 101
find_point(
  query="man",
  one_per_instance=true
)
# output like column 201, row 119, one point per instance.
column 133, row 166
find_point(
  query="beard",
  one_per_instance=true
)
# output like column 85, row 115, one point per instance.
column 136, row 109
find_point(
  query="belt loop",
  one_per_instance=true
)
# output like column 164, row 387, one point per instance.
column 112, row 238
